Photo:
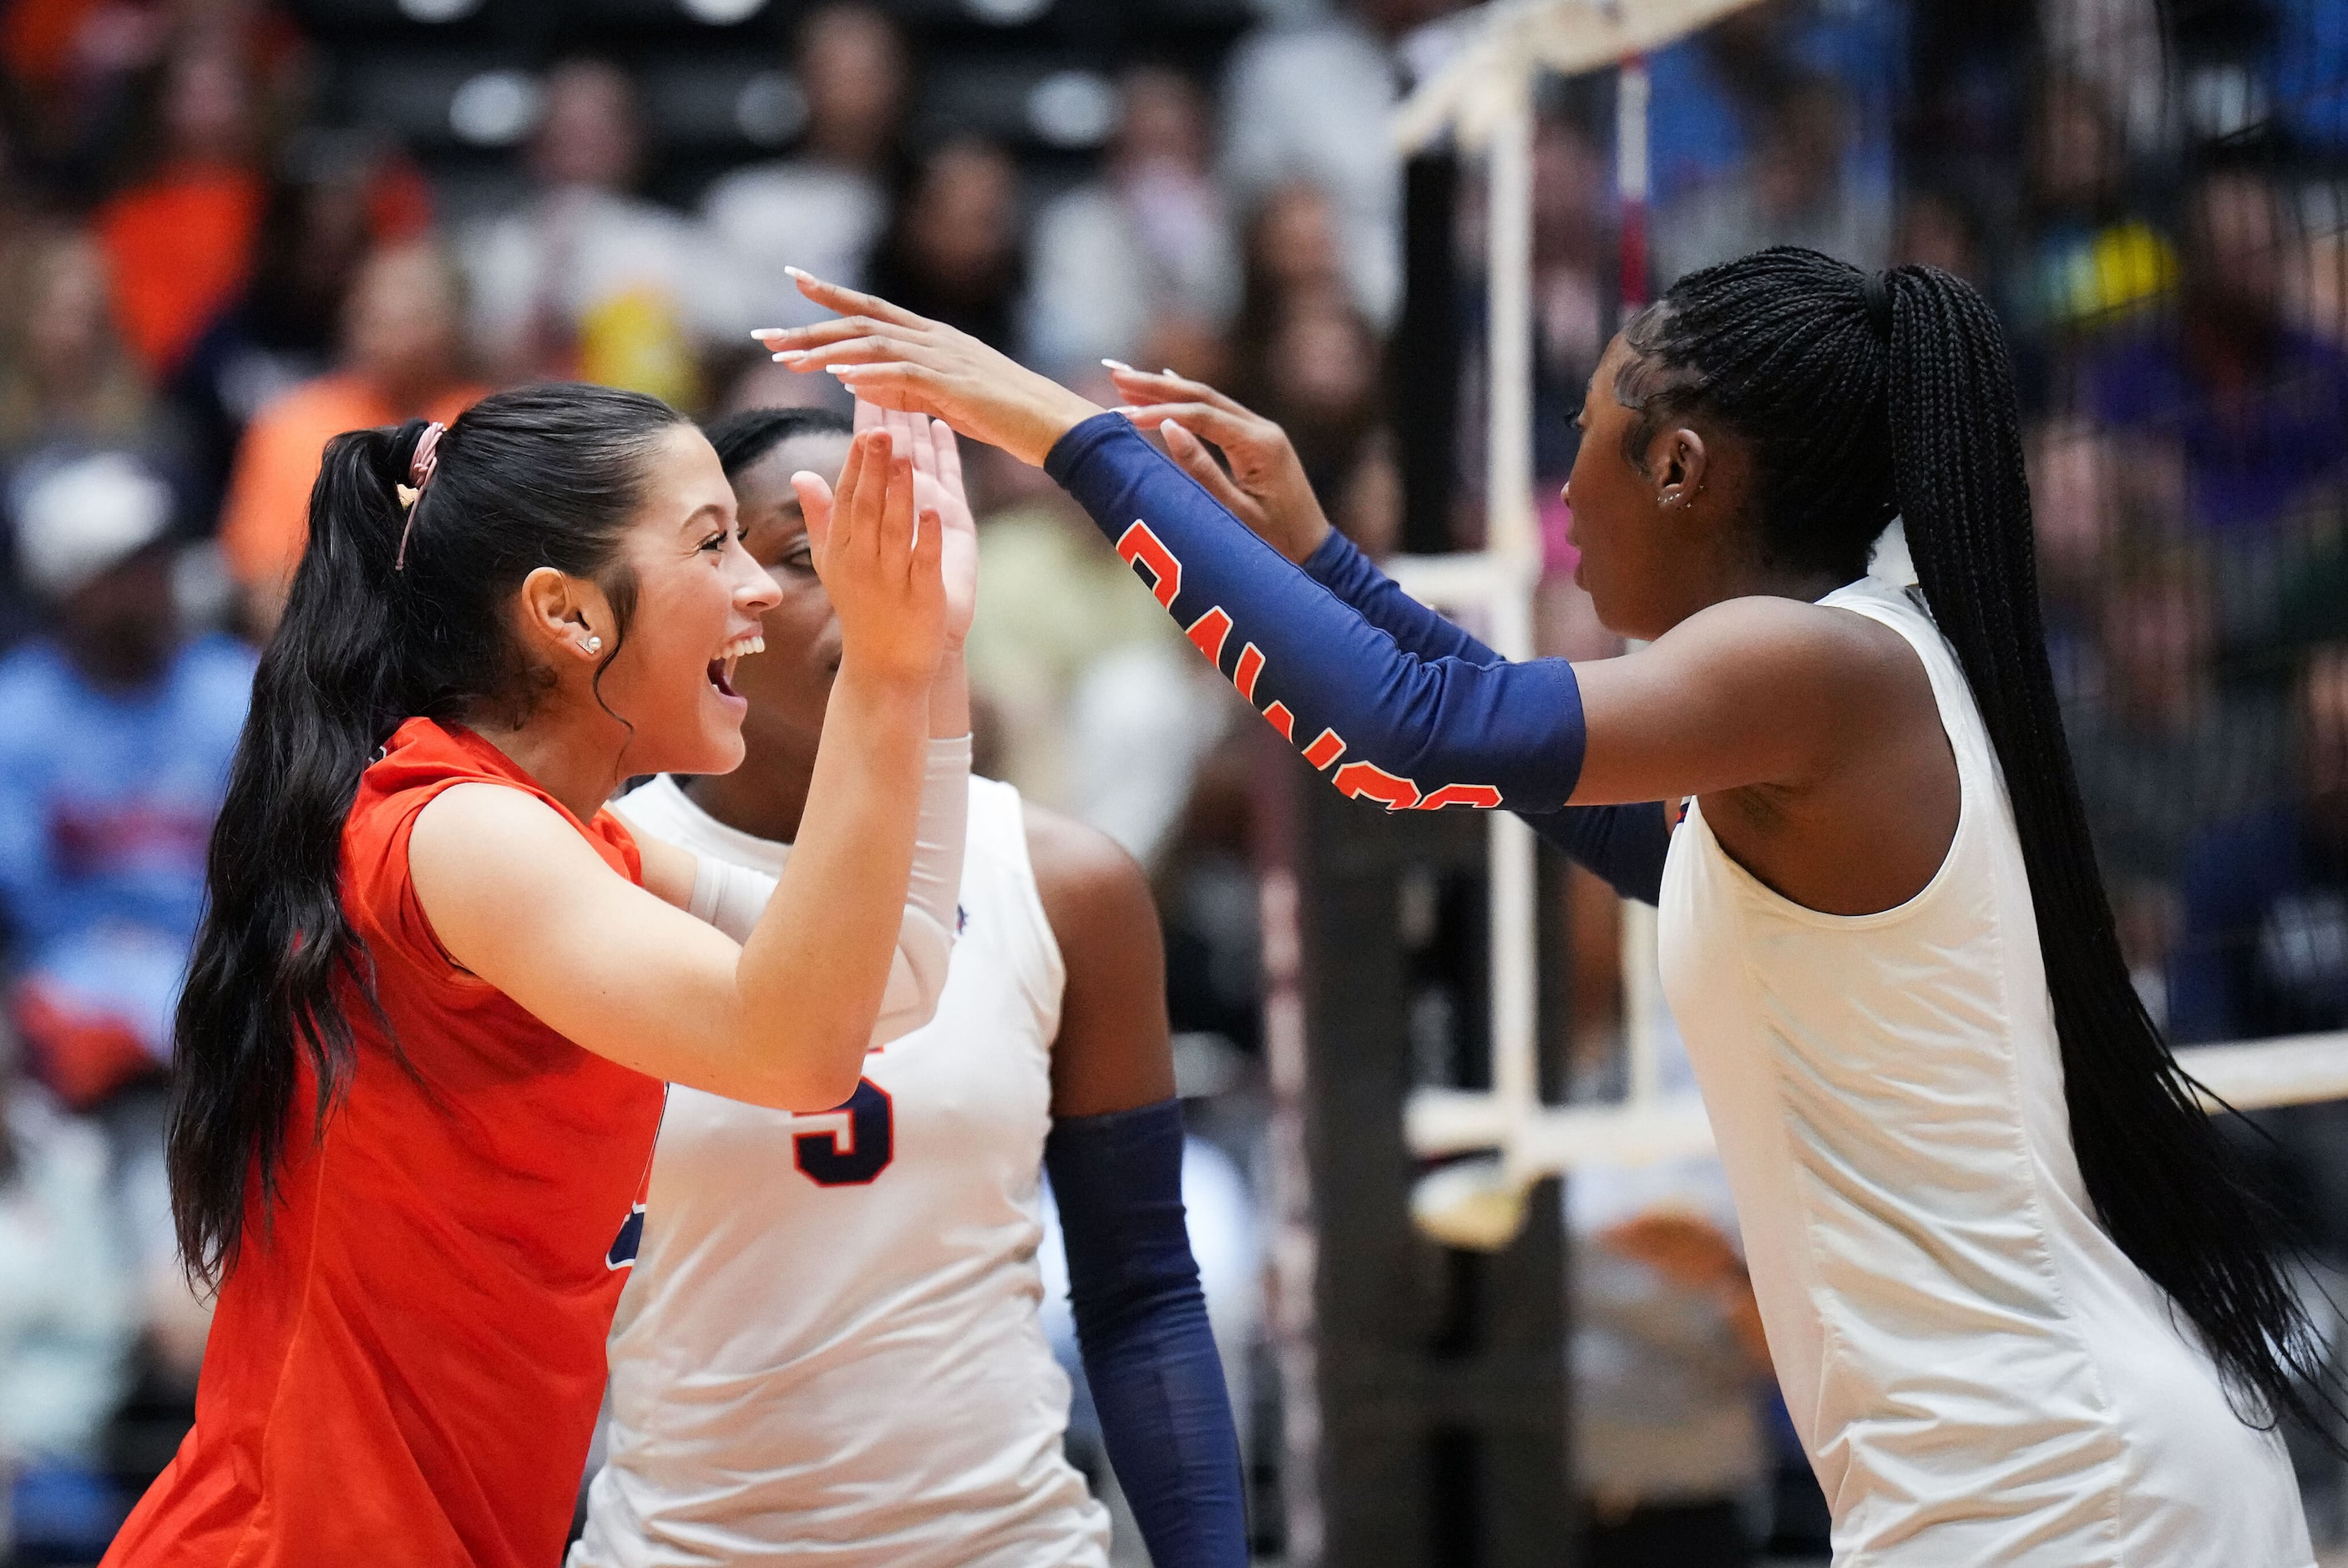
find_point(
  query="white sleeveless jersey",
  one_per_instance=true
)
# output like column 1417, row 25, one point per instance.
column 1979, row 1374
column 828, row 1351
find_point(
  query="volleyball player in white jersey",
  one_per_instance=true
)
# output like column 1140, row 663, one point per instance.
column 830, row 1352
column 2020, row 1297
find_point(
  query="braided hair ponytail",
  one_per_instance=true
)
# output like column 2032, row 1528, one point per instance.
column 1864, row 398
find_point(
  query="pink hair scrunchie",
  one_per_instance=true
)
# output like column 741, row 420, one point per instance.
column 421, row 465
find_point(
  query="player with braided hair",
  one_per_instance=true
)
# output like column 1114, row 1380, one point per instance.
column 2021, row 1302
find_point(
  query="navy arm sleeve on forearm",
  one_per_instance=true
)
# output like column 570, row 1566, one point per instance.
column 1341, row 568
column 1141, row 1322
column 1384, row 723
column 1624, row 845
column 1397, row 704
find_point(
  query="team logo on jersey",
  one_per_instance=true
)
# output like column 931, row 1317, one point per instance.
column 630, row 1237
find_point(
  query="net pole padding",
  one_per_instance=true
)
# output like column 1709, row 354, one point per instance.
column 2252, row 1076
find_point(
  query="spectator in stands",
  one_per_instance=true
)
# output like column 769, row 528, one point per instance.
column 115, row 737
column 1715, row 92
column 66, row 380
column 2265, row 945
column 1312, row 103
column 333, row 197
column 954, row 250
column 2074, row 493
column 1316, row 372
column 2089, row 258
column 1292, row 245
column 65, row 1321
column 2265, row 948
column 1305, row 355
column 1970, row 71
column 402, row 357
column 585, row 279
column 180, row 238
column 1140, row 264
column 1796, row 191
column 1292, row 252
column 822, row 209
column 1936, row 228
column 2090, row 488
column 2256, row 402
column 68, row 386
column 1574, row 279
column 2158, row 748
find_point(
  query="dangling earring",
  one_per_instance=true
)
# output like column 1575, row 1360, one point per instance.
column 594, row 645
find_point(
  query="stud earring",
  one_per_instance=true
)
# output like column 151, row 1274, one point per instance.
column 594, row 645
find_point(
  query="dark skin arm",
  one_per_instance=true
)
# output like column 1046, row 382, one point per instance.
column 1112, row 1051
column 1809, row 735
column 1743, row 683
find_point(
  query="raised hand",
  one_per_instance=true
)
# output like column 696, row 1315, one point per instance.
column 1265, row 488
column 894, row 359
column 938, row 491
column 880, row 558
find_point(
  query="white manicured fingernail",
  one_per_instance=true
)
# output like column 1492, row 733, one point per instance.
column 1166, row 372
column 1120, row 364
column 793, row 271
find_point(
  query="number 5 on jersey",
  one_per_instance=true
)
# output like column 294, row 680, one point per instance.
column 870, row 1142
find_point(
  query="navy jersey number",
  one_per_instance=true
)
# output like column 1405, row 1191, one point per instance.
column 871, row 1141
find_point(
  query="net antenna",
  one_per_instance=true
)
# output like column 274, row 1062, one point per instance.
column 1481, row 98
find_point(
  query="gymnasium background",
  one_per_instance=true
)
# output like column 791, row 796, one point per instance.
column 229, row 229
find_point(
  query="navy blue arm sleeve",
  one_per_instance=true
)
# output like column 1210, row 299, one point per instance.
column 1395, row 703
column 1623, row 844
column 1386, row 724
column 1353, row 577
column 1141, row 1323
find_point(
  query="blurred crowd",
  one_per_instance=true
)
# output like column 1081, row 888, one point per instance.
column 214, row 260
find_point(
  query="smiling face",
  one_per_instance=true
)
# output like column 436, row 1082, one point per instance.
column 789, row 685
column 698, row 599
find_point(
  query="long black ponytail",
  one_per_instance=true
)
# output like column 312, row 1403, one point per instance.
column 1869, row 396
column 544, row 476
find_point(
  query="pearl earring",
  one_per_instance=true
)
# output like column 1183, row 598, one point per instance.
column 594, row 645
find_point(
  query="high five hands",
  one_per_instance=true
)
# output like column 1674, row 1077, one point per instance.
column 879, row 546
column 1265, row 487
column 894, row 359
column 938, row 497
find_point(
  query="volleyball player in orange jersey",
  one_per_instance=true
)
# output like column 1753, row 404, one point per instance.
column 422, row 1045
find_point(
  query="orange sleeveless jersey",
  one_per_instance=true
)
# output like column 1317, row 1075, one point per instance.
column 408, row 1354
